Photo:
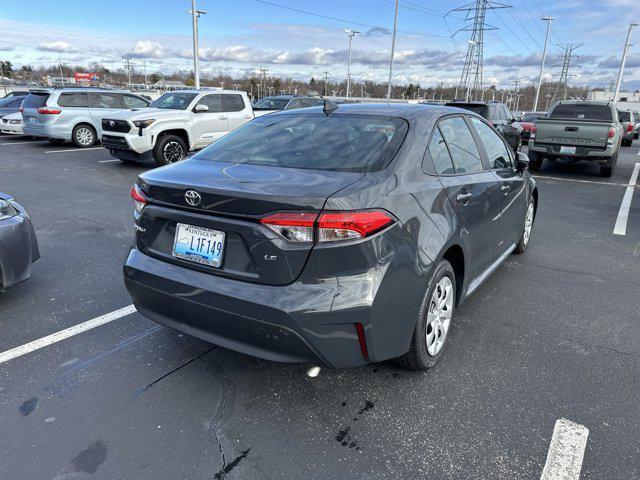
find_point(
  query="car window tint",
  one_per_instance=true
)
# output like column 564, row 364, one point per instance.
column 440, row 154
column 35, row 100
column 497, row 151
column 462, row 146
column 214, row 102
column 232, row 102
column 582, row 111
column 73, row 99
column 134, row 102
column 105, row 100
column 293, row 104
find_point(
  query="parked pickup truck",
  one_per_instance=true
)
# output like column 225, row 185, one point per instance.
column 175, row 124
column 578, row 130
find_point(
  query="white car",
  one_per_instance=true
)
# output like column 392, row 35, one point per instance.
column 11, row 124
column 175, row 124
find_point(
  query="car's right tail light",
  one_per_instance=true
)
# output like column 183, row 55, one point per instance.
column 630, row 128
column 139, row 198
column 611, row 133
column 534, row 130
column 327, row 226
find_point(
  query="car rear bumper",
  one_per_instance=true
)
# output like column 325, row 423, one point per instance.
column 46, row 131
column 296, row 323
column 597, row 154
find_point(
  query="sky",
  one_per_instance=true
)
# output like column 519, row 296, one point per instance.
column 302, row 39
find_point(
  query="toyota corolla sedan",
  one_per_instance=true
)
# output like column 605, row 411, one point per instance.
column 18, row 244
column 335, row 236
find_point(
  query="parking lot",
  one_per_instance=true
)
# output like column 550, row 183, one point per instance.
column 554, row 334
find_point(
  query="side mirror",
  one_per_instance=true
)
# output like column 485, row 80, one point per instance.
column 200, row 108
column 511, row 121
column 522, row 162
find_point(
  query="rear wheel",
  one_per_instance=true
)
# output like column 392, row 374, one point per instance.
column 434, row 321
column 521, row 247
column 535, row 161
column 169, row 149
column 607, row 170
column 83, row 136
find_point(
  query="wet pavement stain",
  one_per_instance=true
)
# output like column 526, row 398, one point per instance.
column 89, row 459
column 29, row 406
column 231, row 465
column 343, row 437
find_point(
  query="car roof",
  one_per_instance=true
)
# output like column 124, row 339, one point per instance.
column 206, row 90
column 402, row 110
column 80, row 89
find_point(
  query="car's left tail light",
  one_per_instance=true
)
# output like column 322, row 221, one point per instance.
column 49, row 111
column 139, row 198
column 534, row 131
column 326, row 227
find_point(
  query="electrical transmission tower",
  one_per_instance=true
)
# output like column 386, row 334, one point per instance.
column 564, row 73
column 475, row 14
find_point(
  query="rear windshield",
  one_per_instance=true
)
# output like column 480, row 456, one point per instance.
column 479, row 109
column 35, row 100
column 345, row 143
column 583, row 111
column 174, row 101
column 532, row 117
column 624, row 116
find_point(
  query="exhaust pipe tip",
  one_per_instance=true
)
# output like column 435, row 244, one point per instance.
column 313, row 372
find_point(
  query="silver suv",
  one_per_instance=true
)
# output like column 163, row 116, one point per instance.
column 73, row 114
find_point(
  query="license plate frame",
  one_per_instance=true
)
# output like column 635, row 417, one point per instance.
column 186, row 249
column 567, row 150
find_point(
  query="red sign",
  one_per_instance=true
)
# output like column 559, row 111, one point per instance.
column 85, row 76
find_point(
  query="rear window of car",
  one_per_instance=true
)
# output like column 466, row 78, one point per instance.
column 481, row 110
column 73, row 99
column 624, row 116
column 346, row 143
column 577, row 111
column 532, row 117
column 35, row 100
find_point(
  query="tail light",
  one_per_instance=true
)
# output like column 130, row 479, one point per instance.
column 611, row 133
column 630, row 128
column 139, row 198
column 21, row 109
column 327, row 226
column 49, row 111
column 534, row 130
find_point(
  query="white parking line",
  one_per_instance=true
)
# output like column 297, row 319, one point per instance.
column 24, row 142
column 566, row 452
column 74, row 150
column 562, row 179
column 66, row 333
column 623, row 214
column 109, row 161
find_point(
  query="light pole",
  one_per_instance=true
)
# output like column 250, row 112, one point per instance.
column 350, row 34
column 393, row 50
column 624, row 60
column 195, row 14
column 544, row 56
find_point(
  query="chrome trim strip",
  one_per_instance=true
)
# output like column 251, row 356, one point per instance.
column 490, row 269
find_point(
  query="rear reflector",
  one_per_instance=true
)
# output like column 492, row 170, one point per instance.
column 328, row 226
column 49, row 111
column 362, row 340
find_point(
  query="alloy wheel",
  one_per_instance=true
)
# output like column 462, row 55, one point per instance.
column 439, row 315
column 528, row 223
column 173, row 152
column 84, row 136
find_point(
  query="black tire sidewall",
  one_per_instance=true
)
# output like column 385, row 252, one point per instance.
column 158, row 150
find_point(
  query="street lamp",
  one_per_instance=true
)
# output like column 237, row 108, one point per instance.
column 350, row 34
column 195, row 14
column 624, row 60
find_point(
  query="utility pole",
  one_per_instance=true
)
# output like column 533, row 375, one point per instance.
column 326, row 80
column 544, row 56
column 350, row 34
column 128, row 72
column 4, row 85
column 624, row 60
column 393, row 50
column 564, row 73
column 61, row 77
column 195, row 14
column 515, row 88
column 146, row 84
column 472, row 71
column 263, row 79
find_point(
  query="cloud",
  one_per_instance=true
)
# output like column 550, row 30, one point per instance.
column 377, row 32
column 58, row 46
column 146, row 49
column 7, row 48
column 633, row 61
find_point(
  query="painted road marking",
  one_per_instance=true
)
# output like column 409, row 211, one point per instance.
column 25, row 142
column 64, row 334
column 549, row 177
column 108, row 161
column 623, row 214
column 74, row 150
column 566, row 452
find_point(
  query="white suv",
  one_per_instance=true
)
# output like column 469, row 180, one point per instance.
column 174, row 124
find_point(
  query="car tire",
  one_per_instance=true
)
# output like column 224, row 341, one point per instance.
column 607, row 170
column 434, row 322
column 169, row 149
column 535, row 161
column 55, row 141
column 83, row 136
column 529, row 218
column 636, row 135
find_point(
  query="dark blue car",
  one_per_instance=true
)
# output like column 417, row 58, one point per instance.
column 335, row 236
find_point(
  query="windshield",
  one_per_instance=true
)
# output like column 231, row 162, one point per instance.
column 532, row 117
column 269, row 103
column 347, row 143
column 174, row 101
column 582, row 111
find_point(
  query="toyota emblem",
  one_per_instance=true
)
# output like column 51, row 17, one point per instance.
column 112, row 123
column 193, row 198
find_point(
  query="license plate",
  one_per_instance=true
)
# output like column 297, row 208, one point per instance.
column 198, row 245
column 568, row 150
column 31, row 120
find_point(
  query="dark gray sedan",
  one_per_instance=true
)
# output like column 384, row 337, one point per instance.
column 18, row 244
column 336, row 236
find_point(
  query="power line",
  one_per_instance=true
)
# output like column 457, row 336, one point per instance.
column 514, row 34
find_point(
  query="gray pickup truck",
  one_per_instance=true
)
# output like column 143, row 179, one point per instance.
column 578, row 130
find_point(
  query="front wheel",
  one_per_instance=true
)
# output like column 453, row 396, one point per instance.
column 521, row 246
column 169, row 149
column 434, row 321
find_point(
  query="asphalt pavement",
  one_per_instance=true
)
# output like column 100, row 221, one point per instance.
column 553, row 334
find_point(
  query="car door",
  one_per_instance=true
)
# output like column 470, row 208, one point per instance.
column 100, row 104
column 234, row 105
column 472, row 190
column 210, row 125
column 513, row 194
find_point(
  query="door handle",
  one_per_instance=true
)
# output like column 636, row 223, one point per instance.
column 248, row 116
column 463, row 197
column 223, row 117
